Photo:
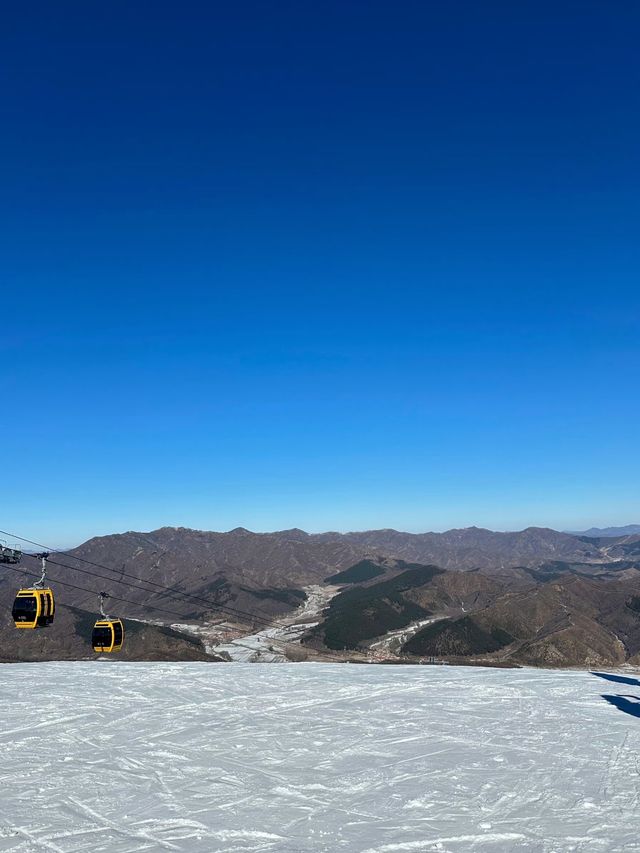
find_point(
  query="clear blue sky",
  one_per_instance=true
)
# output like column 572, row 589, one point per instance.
column 332, row 265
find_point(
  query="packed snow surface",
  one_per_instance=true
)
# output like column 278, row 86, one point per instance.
column 112, row 756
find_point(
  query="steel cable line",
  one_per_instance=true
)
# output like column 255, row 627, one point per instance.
column 166, row 590
column 93, row 592
column 285, row 643
column 169, row 591
column 267, row 622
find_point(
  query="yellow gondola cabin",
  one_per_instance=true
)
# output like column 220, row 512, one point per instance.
column 33, row 608
column 108, row 635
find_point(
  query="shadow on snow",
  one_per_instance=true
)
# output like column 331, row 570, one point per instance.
column 627, row 704
column 619, row 679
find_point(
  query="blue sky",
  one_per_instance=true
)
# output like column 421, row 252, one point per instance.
column 335, row 266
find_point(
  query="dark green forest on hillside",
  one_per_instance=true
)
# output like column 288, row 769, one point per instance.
column 459, row 637
column 361, row 613
column 363, row 571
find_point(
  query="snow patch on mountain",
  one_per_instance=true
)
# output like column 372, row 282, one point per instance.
column 270, row 644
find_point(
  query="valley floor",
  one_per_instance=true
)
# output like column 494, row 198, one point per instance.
column 318, row 758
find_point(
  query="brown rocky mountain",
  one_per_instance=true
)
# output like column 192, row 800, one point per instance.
column 622, row 547
column 251, row 573
column 288, row 558
column 572, row 621
column 475, row 547
column 250, row 578
column 169, row 576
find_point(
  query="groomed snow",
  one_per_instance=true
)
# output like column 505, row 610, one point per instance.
column 111, row 756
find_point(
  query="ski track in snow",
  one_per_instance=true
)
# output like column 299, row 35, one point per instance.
column 115, row 757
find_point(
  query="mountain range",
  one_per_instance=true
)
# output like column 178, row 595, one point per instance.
column 605, row 532
column 535, row 596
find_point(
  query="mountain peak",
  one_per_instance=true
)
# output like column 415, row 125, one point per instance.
column 293, row 533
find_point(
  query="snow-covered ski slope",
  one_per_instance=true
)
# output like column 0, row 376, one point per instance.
column 110, row 756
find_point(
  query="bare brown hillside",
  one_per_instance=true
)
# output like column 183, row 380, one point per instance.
column 534, row 596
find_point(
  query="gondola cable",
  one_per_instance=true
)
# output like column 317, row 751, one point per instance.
column 169, row 591
column 163, row 591
column 92, row 592
column 318, row 652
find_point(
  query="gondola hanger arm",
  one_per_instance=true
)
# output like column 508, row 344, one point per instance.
column 43, row 557
column 103, row 598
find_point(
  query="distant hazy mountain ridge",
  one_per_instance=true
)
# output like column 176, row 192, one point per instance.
column 603, row 532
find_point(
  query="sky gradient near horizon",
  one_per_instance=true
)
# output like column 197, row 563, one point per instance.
column 334, row 266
